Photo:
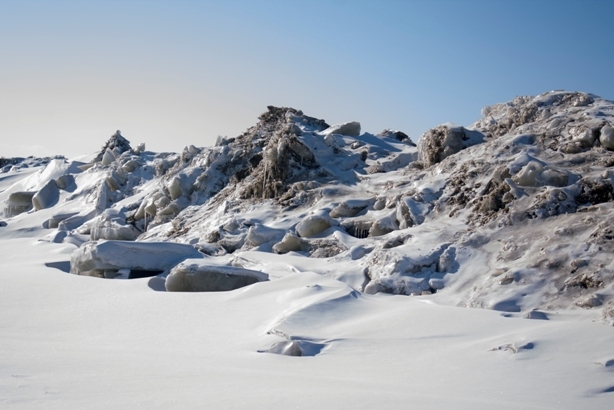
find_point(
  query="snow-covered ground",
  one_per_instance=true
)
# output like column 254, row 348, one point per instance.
column 472, row 271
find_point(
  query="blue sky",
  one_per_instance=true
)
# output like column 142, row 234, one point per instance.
column 183, row 72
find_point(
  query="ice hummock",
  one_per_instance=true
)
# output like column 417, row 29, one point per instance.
column 292, row 184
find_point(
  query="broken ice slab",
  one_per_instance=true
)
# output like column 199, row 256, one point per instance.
column 55, row 220
column 18, row 202
column 75, row 221
column 47, row 196
column 351, row 129
column 96, row 258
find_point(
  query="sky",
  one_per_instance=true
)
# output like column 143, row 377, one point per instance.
column 174, row 73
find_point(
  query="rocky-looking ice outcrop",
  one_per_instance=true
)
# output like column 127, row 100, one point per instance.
column 441, row 142
column 113, row 148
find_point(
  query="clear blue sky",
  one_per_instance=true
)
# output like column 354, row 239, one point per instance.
column 172, row 73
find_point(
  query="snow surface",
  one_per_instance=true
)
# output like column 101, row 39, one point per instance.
column 481, row 277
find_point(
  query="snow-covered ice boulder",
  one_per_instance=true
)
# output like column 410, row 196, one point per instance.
column 410, row 271
column 529, row 174
column 55, row 220
column 174, row 188
column 607, row 137
column 350, row 207
column 290, row 243
column 384, row 225
column 197, row 276
column 379, row 204
column 131, row 165
column 351, row 129
column 554, row 177
column 535, row 174
column 65, row 182
column 330, row 140
column 47, row 196
column 259, row 234
column 313, row 225
column 440, row 142
column 94, row 258
column 111, row 224
column 18, row 202
column 535, row 314
column 286, row 348
column 114, row 230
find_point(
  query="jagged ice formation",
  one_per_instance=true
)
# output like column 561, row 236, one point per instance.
column 510, row 213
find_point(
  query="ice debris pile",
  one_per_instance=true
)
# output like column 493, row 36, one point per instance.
column 510, row 213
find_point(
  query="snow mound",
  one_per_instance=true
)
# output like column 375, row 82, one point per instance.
column 313, row 225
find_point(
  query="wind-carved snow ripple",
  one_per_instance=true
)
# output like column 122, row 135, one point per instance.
column 314, row 301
